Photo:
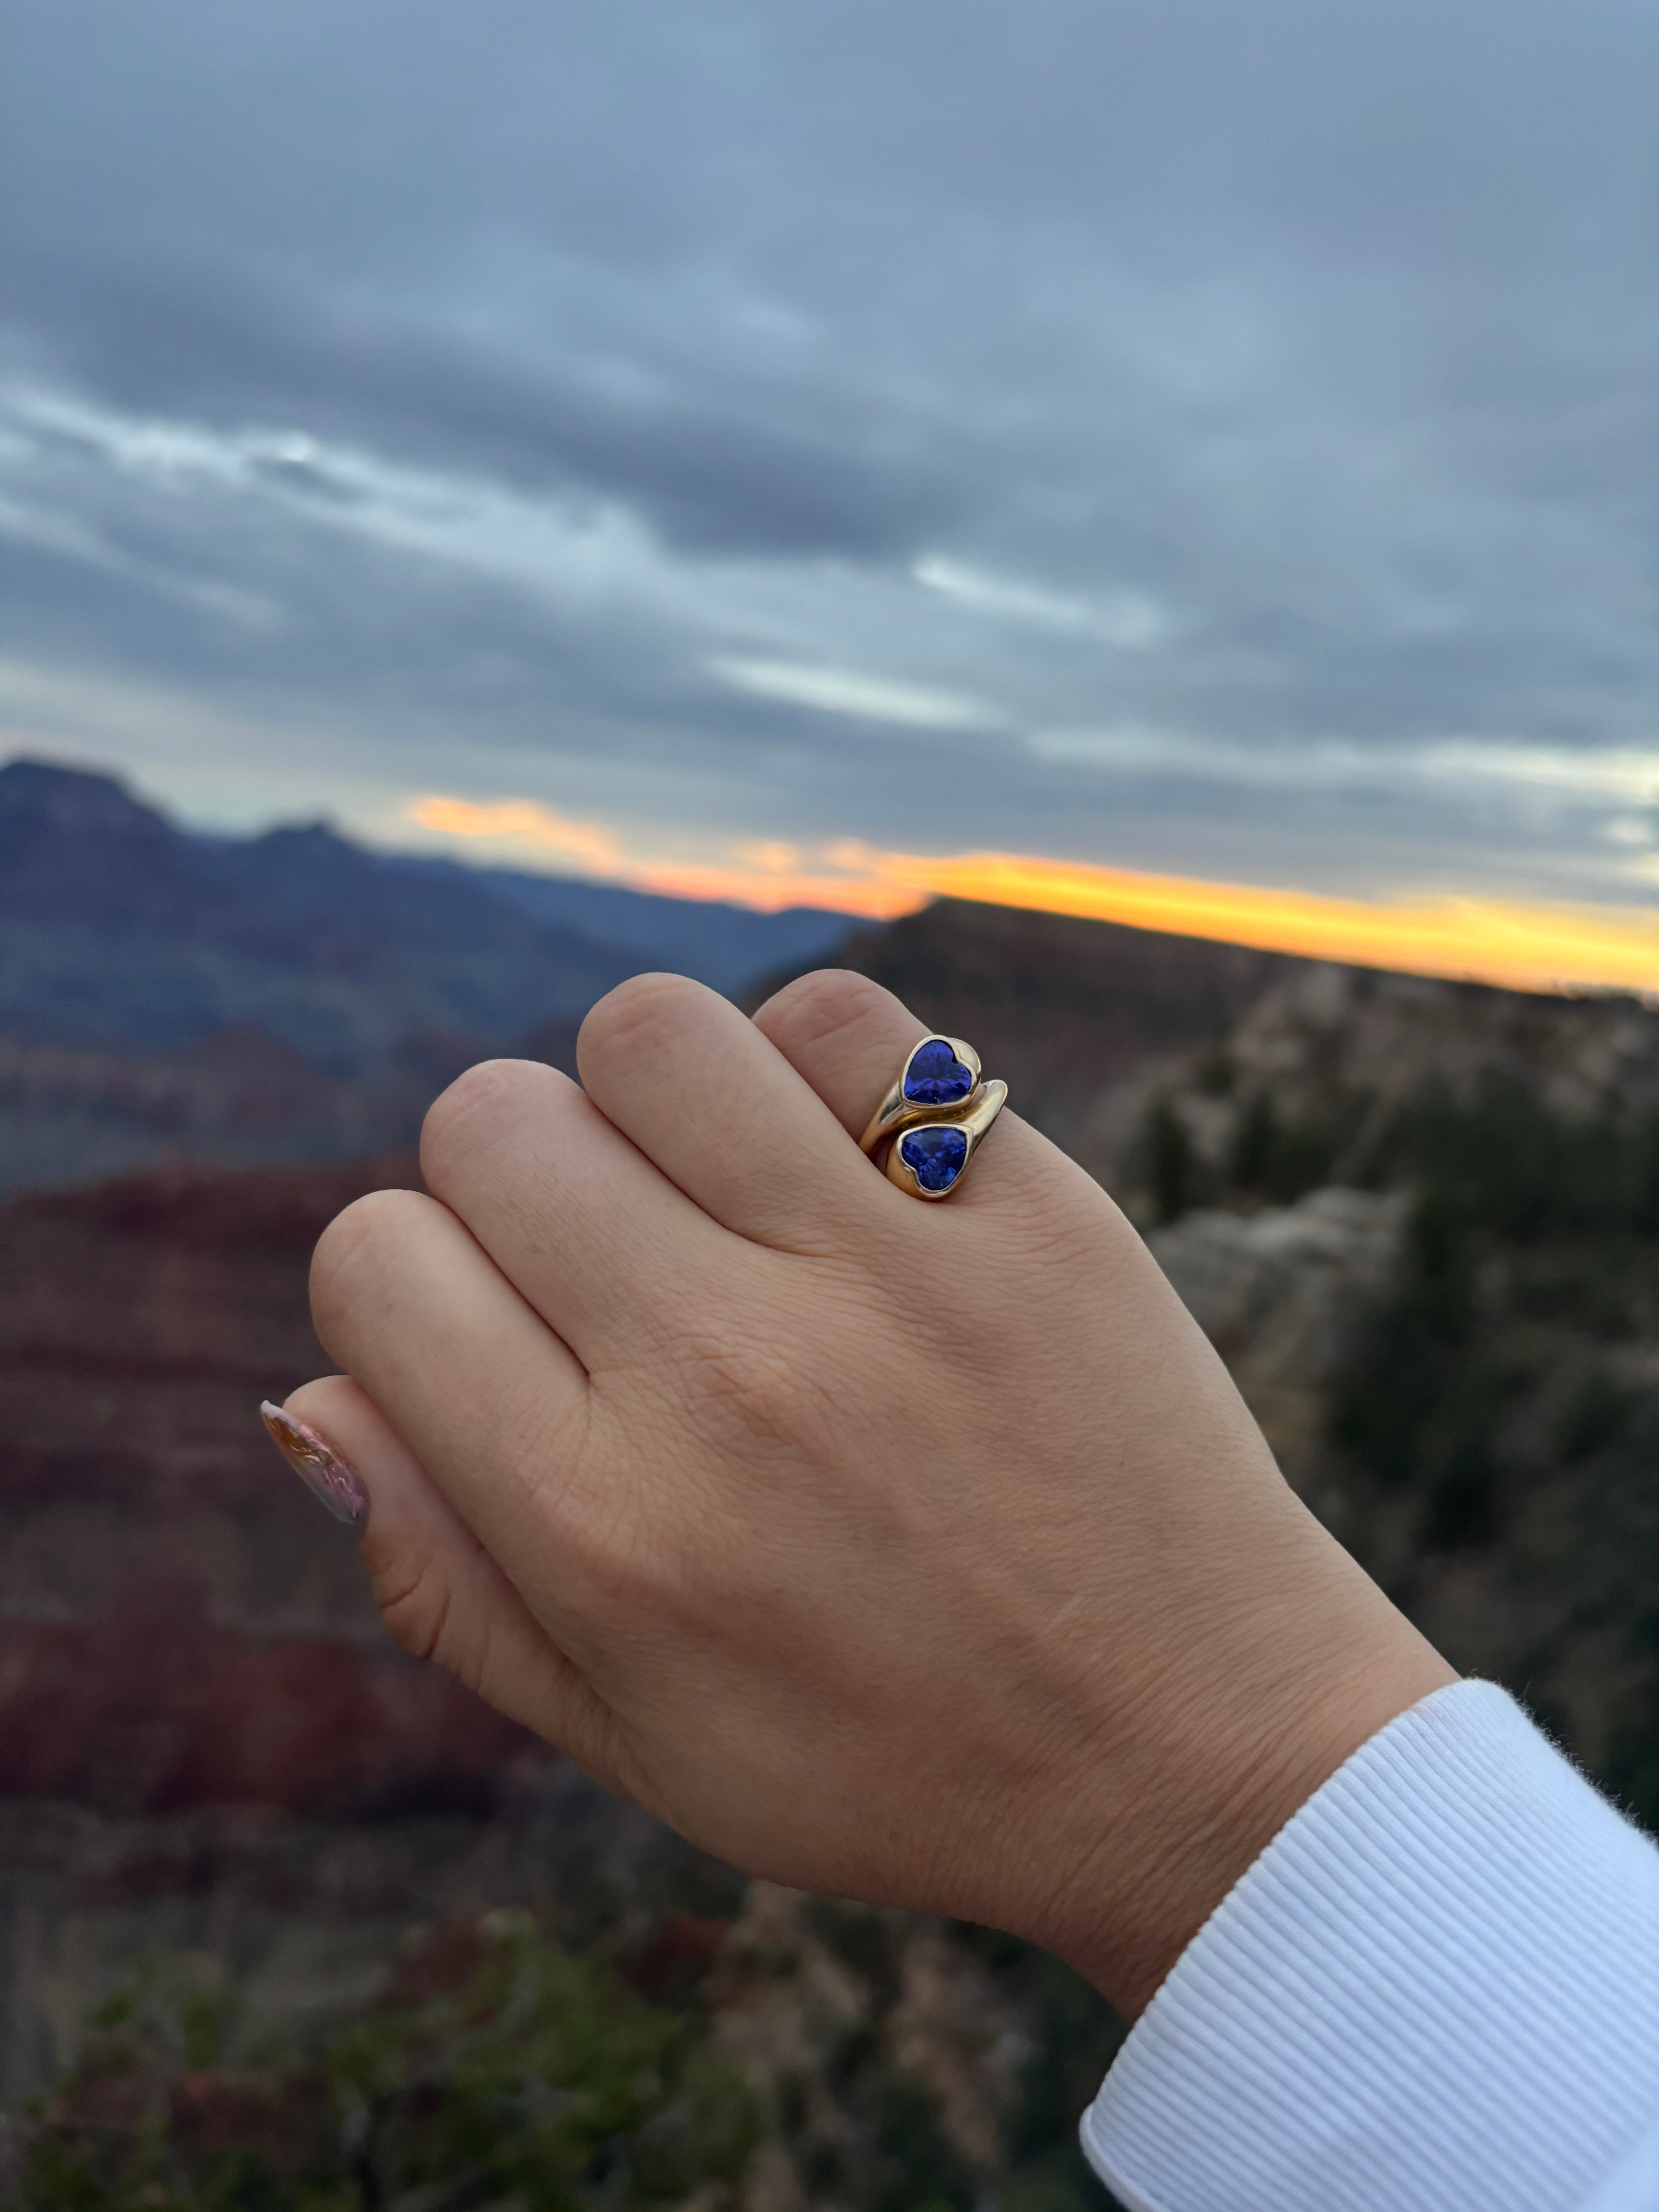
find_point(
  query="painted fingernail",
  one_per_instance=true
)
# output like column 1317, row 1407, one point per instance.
column 318, row 1465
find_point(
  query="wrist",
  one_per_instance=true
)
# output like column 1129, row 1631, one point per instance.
column 1209, row 1780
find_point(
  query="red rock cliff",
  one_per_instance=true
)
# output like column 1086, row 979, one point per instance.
column 180, row 1625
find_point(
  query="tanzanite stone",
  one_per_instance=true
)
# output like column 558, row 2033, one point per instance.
column 935, row 1156
column 935, row 1076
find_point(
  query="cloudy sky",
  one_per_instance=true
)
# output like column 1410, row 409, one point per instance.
column 795, row 442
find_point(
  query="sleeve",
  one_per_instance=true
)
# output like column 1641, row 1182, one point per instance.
column 1437, row 1989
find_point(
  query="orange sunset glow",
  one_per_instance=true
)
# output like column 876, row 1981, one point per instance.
column 1528, row 944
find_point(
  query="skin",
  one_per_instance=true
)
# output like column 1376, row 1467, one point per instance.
column 921, row 1554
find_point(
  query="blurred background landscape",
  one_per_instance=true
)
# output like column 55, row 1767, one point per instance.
column 1131, row 524
column 1420, row 1218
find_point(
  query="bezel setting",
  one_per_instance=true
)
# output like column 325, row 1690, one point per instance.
column 985, row 1102
column 898, row 1115
column 896, row 1112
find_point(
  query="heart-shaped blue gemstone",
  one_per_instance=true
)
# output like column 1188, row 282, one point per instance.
column 935, row 1076
column 935, row 1156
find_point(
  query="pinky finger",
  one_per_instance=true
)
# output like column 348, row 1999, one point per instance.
column 440, row 1592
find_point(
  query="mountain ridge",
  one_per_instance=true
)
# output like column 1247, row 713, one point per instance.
column 153, row 979
column 335, row 948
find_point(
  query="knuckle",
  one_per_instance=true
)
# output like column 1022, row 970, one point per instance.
column 479, row 1108
column 639, row 1014
column 356, row 1247
column 829, row 1005
column 421, row 1609
column 416, row 1601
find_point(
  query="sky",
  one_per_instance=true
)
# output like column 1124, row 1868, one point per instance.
column 1170, row 459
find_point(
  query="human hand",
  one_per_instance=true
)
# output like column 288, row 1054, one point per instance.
column 923, row 1554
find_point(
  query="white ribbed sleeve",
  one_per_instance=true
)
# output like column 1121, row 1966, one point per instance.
column 1436, row 1990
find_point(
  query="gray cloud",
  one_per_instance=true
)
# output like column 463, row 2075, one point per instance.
column 714, row 466
column 637, row 344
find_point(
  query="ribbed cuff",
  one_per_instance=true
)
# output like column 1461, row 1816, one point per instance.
column 1437, row 1989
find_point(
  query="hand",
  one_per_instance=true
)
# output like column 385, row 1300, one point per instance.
column 922, row 1554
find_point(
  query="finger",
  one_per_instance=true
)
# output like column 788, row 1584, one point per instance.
column 440, row 1592
column 845, row 1035
column 599, row 1242
column 848, row 1039
column 722, row 1113
column 488, row 1400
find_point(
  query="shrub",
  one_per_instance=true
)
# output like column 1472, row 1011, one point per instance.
column 533, row 2076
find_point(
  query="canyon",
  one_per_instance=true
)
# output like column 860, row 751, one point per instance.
column 1421, row 1221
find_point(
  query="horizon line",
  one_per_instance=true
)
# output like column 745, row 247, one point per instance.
column 1539, row 945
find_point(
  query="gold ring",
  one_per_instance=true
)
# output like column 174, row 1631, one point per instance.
column 938, row 1108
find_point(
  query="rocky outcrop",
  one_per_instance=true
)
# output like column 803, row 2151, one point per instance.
column 1331, row 1055
column 1281, row 1293
column 1323, row 1032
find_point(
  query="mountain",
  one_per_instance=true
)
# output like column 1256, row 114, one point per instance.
column 116, row 928
column 293, row 996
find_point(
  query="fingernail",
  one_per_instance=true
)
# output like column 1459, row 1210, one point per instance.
column 318, row 1465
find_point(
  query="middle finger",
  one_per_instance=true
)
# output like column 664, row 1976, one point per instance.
column 720, row 1110
column 581, row 1222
